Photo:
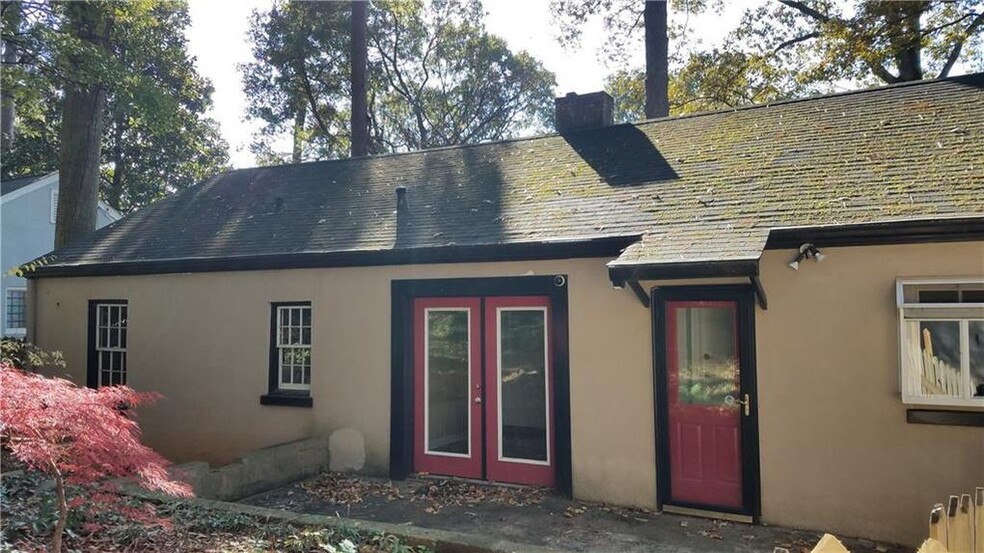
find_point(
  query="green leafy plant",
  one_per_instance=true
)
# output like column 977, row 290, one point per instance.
column 27, row 356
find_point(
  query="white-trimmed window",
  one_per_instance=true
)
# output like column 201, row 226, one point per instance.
column 293, row 346
column 15, row 312
column 941, row 337
column 110, row 345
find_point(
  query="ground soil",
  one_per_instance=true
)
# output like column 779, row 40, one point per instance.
column 535, row 516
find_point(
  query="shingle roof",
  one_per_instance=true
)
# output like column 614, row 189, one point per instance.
column 9, row 185
column 702, row 187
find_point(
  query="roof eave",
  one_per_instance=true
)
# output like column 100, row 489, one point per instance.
column 904, row 231
column 620, row 273
column 606, row 246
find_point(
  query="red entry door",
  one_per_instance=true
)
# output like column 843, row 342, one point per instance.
column 482, row 392
column 518, row 376
column 448, row 387
column 704, row 404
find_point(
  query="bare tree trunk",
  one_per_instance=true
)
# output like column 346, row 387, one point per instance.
column 81, row 134
column 657, row 59
column 360, row 114
column 909, row 57
column 12, row 14
column 299, row 119
column 56, row 537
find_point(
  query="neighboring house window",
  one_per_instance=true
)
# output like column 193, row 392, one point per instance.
column 53, row 209
column 941, row 334
column 15, row 311
column 108, row 327
column 291, row 337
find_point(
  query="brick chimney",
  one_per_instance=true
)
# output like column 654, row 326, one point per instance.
column 576, row 112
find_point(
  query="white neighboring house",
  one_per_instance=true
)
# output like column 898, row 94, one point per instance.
column 28, row 207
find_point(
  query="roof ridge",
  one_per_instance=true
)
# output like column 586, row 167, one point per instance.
column 632, row 123
column 856, row 91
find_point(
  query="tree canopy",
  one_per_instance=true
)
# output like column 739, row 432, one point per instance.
column 787, row 48
column 156, row 137
column 436, row 78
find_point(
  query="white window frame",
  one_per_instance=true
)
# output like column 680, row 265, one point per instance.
column 961, row 313
column 427, row 445
column 281, row 345
column 14, row 331
column 546, row 382
column 100, row 348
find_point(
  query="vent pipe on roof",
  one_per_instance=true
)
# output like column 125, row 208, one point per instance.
column 576, row 112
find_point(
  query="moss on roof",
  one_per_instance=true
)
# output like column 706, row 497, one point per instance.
column 701, row 187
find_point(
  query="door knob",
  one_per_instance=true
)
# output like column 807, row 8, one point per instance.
column 478, row 400
column 745, row 402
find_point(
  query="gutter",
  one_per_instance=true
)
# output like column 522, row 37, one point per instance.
column 956, row 229
column 606, row 246
column 622, row 274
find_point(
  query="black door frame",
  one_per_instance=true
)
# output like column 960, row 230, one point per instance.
column 744, row 296
column 403, row 293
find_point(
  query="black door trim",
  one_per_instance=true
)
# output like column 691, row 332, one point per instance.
column 401, row 357
column 744, row 295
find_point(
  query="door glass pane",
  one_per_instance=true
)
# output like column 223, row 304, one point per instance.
column 522, row 384
column 447, row 381
column 976, row 347
column 707, row 367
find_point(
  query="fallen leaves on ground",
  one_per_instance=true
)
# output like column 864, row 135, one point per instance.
column 335, row 487
column 455, row 493
column 342, row 489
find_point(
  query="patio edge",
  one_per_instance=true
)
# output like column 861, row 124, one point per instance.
column 441, row 541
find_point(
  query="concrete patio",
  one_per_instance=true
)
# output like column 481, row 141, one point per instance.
column 534, row 516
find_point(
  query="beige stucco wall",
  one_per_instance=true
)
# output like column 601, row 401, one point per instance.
column 836, row 452
column 203, row 341
column 835, row 445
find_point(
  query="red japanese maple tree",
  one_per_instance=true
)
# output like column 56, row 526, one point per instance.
column 78, row 435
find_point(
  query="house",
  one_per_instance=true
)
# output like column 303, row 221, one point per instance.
column 27, row 224
column 767, row 314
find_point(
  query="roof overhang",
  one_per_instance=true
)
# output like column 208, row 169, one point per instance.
column 954, row 229
column 604, row 246
column 36, row 185
column 621, row 274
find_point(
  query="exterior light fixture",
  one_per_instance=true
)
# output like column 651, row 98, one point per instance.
column 806, row 251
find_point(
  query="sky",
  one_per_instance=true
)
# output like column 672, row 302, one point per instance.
column 217, row 39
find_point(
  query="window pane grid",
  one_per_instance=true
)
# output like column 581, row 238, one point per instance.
column 293, row 335
column 111, row 343
column 16, row 309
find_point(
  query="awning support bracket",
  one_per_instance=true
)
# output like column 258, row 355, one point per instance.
column 639, row 292
column 763, row 301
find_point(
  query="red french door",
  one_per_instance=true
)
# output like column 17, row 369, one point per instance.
column 482, row 389
column 704, row 404
column 519, row 443
column 448, row 386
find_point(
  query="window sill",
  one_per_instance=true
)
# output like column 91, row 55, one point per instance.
column 941, row 417
column 287, row 399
